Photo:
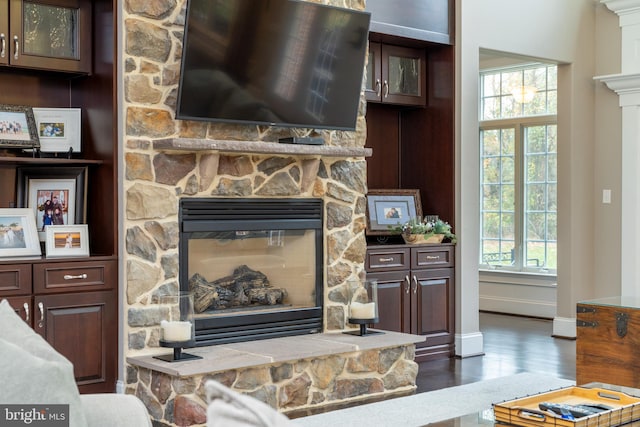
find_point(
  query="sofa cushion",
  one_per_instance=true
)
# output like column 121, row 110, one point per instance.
column 230, row 409
column 33, row 372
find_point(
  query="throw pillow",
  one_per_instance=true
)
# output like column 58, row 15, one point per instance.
column 228, row 408
column 33, row 372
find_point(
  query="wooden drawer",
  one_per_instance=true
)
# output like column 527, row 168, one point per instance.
column 432, row 256
column 74, row 276
column 387, row 258
column 15, row 279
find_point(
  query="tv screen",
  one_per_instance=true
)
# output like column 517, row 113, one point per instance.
column 272, row 62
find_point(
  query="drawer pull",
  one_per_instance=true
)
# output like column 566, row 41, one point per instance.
column 385, row 259
column 26, row 311
column 71, row 277
column 433, row 257
column 41, row 308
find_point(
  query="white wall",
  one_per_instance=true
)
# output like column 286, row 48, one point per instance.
column 563, row 32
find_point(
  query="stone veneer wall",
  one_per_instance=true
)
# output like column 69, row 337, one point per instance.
column 155, row 180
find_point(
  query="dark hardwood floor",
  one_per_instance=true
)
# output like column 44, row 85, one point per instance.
column 512, row 344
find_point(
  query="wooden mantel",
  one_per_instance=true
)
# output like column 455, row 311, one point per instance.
column 258, row 147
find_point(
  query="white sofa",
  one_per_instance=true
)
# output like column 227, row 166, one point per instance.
column 33, row 373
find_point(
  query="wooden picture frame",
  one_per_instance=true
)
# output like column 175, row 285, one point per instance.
column 59, row 129
column 67, row 241
column 388, row 208
column 18, row 235
column 18, row 127
column 64, row 188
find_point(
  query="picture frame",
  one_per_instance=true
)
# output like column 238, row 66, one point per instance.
column 18, row 127
column 388, row 208
column 63, row 187
column 67, row 241
column 18, row 234
column 59, row 129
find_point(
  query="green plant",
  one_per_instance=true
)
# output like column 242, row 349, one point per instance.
column 428, row 228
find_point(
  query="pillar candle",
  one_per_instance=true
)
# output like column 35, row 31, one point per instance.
column 176, row 331
column 363, row 311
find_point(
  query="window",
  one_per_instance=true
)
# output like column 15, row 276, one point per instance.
column 518, row 155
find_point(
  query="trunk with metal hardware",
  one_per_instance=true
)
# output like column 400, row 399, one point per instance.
column 416, row 294
column 608, row 341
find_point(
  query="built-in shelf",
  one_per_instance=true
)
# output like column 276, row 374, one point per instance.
column 259, row 147
column 10, row 160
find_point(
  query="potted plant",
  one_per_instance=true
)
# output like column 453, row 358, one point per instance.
column 418, row 231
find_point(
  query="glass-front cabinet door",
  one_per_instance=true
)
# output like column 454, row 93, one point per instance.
column 55, row 35
column 395, row 75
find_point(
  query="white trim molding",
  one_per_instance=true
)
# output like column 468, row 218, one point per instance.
column 468, row 345
column 564, row 327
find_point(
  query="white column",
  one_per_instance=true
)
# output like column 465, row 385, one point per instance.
column 627, row 86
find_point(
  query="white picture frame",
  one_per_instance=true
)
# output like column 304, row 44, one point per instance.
column 67, row 241
column 59, row 129
column 18, row 234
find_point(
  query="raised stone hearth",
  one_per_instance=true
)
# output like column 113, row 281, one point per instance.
column 297, row 375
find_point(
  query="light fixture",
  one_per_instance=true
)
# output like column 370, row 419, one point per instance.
column 523, row 94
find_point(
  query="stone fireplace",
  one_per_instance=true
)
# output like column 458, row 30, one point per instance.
column 166, row 161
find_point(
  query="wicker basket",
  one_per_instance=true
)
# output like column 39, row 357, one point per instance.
column 415, row 239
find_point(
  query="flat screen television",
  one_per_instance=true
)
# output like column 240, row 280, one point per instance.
column 272, row 62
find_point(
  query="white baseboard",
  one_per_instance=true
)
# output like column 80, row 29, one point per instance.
column 468, row 345
column 521, row 307
column 564, row 327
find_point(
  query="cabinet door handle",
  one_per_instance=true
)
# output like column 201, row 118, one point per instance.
column 385, row 85
column 378, row 87
column 415, row 284
column 26, row 311
column 3, row 45
column 406, row 279
column 71, row 277
column 16, row 47
column 41, row 308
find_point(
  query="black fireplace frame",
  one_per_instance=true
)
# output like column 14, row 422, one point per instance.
column 197, row 215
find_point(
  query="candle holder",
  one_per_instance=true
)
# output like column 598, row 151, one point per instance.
column 177, row 326
column 363, row 305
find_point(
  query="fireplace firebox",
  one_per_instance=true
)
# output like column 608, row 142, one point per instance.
column 255, row 267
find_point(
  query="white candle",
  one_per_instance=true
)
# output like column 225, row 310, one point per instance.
column 176, row 331
column 363, row 311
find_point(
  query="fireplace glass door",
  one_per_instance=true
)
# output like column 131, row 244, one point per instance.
column 253, row 275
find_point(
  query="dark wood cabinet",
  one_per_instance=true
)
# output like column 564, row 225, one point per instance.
column 395, row 75
column 80, row 327
column 416, row 294
column 73, row 305
column 51, row 35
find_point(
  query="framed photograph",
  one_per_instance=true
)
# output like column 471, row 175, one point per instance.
column 18, row 235
column 67, row 241
column 18, row 127
column 58, row 129
column 57, row 195
column 387, row 208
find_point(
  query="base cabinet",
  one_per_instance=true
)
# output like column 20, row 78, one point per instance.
column 416, row 294
column 72, row 304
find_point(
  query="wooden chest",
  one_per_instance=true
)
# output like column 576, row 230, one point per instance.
column 608, row 341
